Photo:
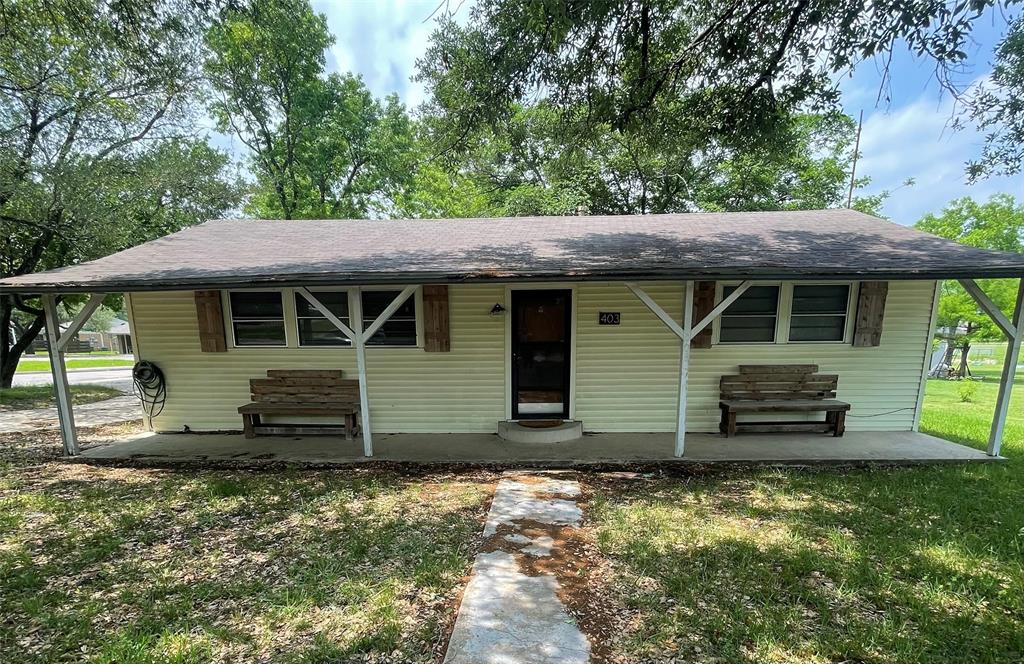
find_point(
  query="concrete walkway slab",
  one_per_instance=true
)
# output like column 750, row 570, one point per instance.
column 510, row 613
column 98, row 413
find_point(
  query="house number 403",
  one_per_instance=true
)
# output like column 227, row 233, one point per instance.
column 608, row 318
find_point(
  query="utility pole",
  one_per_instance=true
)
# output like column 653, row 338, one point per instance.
column 856, row 152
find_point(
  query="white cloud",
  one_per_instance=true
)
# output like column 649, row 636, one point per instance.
column 381, row 41
column 917, row 140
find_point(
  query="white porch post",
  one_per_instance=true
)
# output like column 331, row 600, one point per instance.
column 61, row 389
column 356, row 319
column 684, row 368
column 1016, row 335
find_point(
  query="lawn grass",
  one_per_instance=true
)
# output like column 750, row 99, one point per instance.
column 865, row 565
column 41, row 396
column 130, row 565
column 28, row 366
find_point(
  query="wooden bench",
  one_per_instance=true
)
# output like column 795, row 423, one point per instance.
column 301, row 392
column 779, row 388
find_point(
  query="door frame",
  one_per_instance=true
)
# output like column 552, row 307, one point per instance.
column 573, row 298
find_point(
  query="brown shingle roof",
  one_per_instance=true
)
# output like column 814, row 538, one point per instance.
column 234, row 252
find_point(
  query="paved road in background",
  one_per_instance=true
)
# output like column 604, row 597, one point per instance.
column 119, row 378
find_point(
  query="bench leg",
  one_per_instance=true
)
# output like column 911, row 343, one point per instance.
column 247, row 426
column 730, row 424
column 839, row 423
column 349, row 425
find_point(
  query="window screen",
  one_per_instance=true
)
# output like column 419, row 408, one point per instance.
column 752, row 317
column 257, row 318
column 819, row 312
column 400, row 330
column 314, row 329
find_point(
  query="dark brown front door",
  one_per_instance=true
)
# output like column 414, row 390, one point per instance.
column 541, row 325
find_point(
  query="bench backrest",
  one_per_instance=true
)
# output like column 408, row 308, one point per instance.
column 305, row 386
column 760, row 382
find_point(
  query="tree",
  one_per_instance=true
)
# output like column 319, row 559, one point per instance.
column 995, row 224
column 320, row 146
column 95, row 154
column 996, row 106
column 728, row 67
column 529, row 165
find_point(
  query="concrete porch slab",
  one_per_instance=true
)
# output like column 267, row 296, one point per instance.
column 898, row 447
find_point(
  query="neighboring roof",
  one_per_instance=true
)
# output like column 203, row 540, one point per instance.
column 765, row 245
column 119, row 326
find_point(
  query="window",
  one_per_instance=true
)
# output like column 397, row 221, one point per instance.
column 400, row 330
column 819, row 312
column 257, row 318
column 314, row 329
column 752, row 317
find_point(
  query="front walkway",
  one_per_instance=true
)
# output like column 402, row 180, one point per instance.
column 98, row 413
column 512, row 610
column 592, row 449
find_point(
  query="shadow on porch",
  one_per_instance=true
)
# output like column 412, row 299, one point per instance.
column 602, row 449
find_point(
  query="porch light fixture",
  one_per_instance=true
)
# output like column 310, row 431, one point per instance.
column 497, row 310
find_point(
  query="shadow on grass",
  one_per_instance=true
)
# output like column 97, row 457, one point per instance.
column 162, row 566
column 900, row 565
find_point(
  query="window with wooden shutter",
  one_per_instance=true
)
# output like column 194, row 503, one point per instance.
column 437, row 337
column 210, row 316
column 870, row 313
column 703, row 303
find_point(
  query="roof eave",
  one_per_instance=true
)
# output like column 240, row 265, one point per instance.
column 405, row 278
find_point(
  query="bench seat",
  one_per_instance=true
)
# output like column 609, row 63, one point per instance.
column 777, row 405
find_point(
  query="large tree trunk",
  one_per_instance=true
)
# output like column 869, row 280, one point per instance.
column 963, row 370
column 10, row 353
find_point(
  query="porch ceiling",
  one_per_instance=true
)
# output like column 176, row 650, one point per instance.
column 593, row 449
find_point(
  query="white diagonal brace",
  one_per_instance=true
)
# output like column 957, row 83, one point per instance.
column 989, row 307
column 83, row 316
column 995, row 439
column 389, row 311
column 326, row 313
column 657, row 310
column 722, row 306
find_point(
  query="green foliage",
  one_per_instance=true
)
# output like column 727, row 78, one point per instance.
column 996, row 106
column 320, row 146
column 723, row 69
column 967, row 390
column 530, row 165
column 995, row 224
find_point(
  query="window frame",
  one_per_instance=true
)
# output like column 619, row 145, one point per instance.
column 785, row 312
column 230, row 317
column 851, row 293
column 717, row 323
column 293, row 314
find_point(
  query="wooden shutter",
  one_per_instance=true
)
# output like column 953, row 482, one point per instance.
column 870, row 313
column 703, row 303
column 437, row 338
column 211, row 321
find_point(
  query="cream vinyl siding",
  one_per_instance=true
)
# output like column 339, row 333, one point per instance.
column 627, row 375
column 410, row 390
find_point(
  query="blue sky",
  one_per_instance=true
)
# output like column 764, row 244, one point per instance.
column 908, row 136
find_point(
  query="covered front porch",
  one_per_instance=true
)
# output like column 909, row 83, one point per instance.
column 598, row 449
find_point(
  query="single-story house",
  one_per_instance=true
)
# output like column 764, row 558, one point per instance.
column 117, row 337
column 617, row 323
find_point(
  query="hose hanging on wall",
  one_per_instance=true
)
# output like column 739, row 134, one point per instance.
column 150, row 386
